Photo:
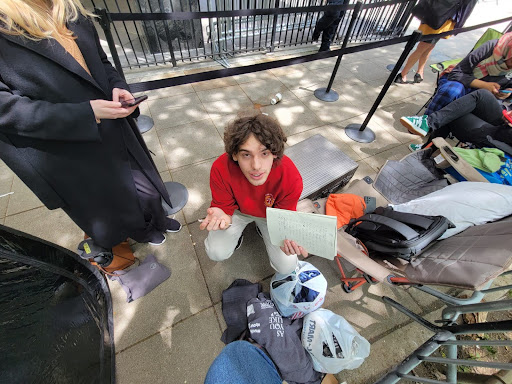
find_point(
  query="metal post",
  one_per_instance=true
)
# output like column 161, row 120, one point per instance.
column 360, row 132
column 327, row 94
column 104, row 20
column 144, row 123
column 274, row 23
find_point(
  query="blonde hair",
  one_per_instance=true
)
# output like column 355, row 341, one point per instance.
column 38, row 19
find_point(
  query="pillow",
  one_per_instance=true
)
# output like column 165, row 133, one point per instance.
column 465, row 204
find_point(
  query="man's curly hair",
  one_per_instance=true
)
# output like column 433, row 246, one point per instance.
column 266, row 129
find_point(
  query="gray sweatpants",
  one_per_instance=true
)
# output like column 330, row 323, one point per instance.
column 221, row 244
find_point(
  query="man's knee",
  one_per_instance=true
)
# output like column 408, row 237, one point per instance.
column 217, row 251
column 483, row 95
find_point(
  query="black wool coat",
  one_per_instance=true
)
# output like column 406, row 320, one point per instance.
column 49, row 136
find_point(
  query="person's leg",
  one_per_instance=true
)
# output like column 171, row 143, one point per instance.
column 480, row 103
column 156, row 220
column 447, row 92
column 240, row 362
column 280, row 261
column 414, row 58
column 330, row 32
column 423, row 59
column 221, row 244
column 471, row 129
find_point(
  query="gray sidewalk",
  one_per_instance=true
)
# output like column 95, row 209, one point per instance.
column 173, row 334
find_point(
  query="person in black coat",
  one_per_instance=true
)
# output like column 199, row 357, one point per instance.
column 63, row 130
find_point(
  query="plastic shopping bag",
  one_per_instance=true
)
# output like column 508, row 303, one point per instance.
column 299, row 292
column 334, row 345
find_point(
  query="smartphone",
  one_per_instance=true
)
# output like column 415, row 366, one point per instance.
column 505, row 91
column 133, row 102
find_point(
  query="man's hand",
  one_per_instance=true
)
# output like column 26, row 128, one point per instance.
column 292, row 248
column 215, row 219
column 503, row 95
column 494, row 88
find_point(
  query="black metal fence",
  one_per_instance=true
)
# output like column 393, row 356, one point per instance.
column 141, row 43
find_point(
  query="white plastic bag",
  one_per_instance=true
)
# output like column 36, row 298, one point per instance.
column 334, row 345
column 294, row 298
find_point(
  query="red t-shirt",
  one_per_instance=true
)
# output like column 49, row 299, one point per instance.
column 231, row 190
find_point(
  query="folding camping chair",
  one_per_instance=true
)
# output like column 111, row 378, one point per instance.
column 438, row 68
column 469, row 260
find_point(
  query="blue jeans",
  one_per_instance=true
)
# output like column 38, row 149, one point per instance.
column 240, row 362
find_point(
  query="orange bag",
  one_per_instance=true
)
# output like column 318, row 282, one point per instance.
column 345, row 206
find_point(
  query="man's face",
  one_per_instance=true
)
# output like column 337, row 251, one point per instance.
column 255, row 161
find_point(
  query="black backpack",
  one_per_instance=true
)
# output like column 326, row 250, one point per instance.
column 397, row 234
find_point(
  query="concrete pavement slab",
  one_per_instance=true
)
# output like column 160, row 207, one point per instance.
column 23, row 199
column 388, row 352
column 54, row 226
column 181, row 354
column 167, row 116
column 218, row 109
column 250, row 262
column 182, row 295
column 153, row 142
column 215, row 94
column 170, row 91
column 340, row 110
column 293, row 115
column 190, row 143
column 6, row 180
column 261, row 91
column 197, row 180
column 383, row 139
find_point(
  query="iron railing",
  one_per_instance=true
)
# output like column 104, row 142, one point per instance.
column 142, row 43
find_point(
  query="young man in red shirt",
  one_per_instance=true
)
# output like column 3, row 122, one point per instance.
column 252, row 175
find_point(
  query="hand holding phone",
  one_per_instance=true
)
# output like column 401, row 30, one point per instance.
column 507, row 116
column 133, row 102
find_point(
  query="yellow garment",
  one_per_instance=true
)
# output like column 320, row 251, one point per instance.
column 447, row 26
column 71, row 47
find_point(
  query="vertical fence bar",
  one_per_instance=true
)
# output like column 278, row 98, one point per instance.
column 274, row 24
column 325, row 94
column 145, row 26
column 140, row 40
column 360, row 133
column 104, row 21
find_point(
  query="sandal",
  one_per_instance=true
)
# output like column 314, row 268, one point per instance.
column 417, row 78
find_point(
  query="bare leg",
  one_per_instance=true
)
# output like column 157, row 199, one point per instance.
column 423, row 59
column 415, row 56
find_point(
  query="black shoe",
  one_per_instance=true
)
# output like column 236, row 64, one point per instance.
column 399, row 79
column 172, row 225
column 417, row 78
column 240, row 241
column 156, row 238
column 324, row 48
